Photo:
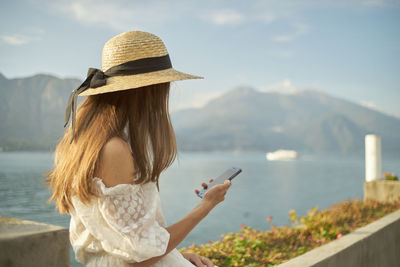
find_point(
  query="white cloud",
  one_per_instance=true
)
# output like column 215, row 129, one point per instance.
column 13, row 39
column 122, row 15
column 116, row 14
column 284, row 87
column 200, row 99
column 278, row 129
column 87, row 12
column 370, row 105
column 18, row 39
column 224, row 17
column 195, row 100
column 373, row 106
column 299, row 30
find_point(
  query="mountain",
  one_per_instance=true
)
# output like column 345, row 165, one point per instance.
column 247, row 119
column 32, row 111
column 32, row 114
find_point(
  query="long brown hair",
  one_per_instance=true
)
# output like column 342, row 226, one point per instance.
column 140, row 116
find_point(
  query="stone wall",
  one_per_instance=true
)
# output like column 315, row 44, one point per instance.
column 27, row 243
column 382, row 190
column 377, row 244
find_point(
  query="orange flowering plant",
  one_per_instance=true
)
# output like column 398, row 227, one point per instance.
column 390, row 176
column 253, row 248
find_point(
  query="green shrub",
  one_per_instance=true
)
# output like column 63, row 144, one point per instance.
column 250, row 247
column 390, row 176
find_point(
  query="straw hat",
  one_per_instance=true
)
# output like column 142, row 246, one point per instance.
column 130, row 46
column 130, row 60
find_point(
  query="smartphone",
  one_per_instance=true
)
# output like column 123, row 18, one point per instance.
column 229, row 174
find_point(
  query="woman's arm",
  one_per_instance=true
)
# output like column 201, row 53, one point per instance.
column 116, row 167
column 182, row 228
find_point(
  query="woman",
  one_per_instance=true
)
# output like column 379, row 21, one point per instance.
column 107, row 169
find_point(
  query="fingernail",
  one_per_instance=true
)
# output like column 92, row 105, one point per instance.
column 211, row 180
column 197, row 191
column 204, row 185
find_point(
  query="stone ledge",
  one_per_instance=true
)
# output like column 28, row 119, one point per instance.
column 28, row 243
column 376, row 244
column 382, row 190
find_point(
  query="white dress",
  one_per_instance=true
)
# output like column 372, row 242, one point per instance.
column 123, row 225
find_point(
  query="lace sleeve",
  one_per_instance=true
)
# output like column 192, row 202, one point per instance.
column 128, row 221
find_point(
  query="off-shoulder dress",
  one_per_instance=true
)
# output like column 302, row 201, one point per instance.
column 123, row 225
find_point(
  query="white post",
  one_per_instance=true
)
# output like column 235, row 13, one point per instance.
column 372, row 157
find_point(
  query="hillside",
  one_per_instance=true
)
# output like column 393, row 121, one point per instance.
column 247, row 119
column 32, row 113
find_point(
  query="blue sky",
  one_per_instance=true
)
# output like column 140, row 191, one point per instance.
column 346, row 48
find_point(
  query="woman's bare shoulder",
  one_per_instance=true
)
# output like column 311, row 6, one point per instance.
column 115, row 164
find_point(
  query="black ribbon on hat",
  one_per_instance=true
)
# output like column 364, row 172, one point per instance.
column 96, row 78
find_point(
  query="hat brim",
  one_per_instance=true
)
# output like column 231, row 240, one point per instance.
column 118, row 83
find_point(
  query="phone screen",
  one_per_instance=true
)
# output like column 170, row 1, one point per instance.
column 229, row 174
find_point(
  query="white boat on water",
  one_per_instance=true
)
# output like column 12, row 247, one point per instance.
column 282, row 154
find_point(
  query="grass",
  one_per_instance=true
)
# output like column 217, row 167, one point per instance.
column 253, row 248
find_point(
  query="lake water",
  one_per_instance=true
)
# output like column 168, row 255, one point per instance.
column 263, row 189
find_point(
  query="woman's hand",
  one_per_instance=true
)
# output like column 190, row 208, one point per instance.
column 217, row 193
column 197, row 260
